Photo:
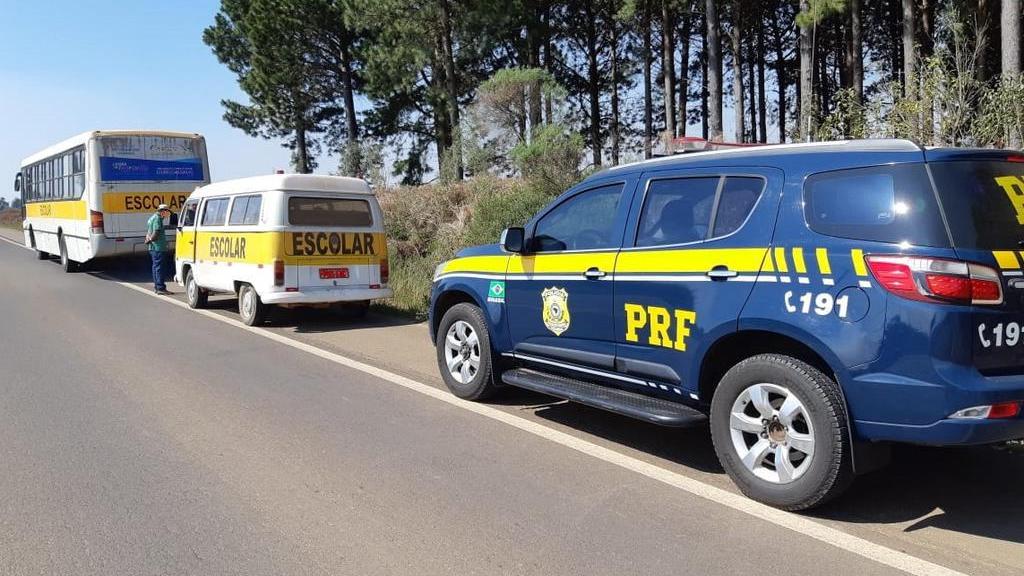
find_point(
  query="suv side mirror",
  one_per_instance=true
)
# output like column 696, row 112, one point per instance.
column 513, row 240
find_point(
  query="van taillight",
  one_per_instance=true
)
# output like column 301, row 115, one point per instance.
column 936, row 279
column 385, row 270
column 278, row 272
column 96, row 221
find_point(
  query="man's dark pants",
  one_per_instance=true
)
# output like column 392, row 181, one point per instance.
column 159, row 258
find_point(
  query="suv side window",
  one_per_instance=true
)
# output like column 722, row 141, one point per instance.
column 677, row 211
column 585, row 221
column 879, row 204
column 737, row 201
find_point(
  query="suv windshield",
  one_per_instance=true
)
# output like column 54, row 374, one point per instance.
column 983, row 201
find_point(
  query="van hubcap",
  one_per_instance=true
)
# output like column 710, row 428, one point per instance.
column 462, row 352
column 247, row 303
column 193, row 290
column 772, row 433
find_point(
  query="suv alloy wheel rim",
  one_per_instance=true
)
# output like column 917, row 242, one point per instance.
column 462, row 352
column 772, row 433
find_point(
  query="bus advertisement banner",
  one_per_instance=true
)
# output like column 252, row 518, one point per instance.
column 149, row 158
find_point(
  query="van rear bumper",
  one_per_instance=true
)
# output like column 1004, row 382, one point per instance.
column 327, row 296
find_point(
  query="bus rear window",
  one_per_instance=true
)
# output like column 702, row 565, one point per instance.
column 340, row 212
column 984, row 202
column 893, row 204
column 152, row 158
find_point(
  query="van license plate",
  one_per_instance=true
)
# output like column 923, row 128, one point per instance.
column 332, row 273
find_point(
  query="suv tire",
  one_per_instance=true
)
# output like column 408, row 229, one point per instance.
column 773, row 408
column 196, row 296
column 464, row 353
column 250, row 307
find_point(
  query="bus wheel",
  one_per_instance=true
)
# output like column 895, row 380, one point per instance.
column 196, row 296
column 250, row 307
column 66, row 262
column 40, row 255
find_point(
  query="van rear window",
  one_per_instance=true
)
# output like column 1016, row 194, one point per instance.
column 879, row 204
column 340, row 212
column 984, row 202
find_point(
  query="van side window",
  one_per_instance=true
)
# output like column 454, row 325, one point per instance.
column 188, row 214
column 238, row 206
column 677, row 211
column 584, row 222
column 879, row 204
column 252, row 210
column 214, row 212
column 739, row 195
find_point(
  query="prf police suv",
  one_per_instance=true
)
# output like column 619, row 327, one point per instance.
column 287, row 240
column 817, row 302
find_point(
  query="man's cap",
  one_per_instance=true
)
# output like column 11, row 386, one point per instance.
column 162, row 207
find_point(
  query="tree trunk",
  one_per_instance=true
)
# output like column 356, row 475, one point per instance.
column 704, row 82
column 594, row 87
column 1011, row 31
column 533, row 46
column 685, row 27
column 613, row 128
column 909, row 60
column 781, row 81
column 806, row 77
column 648, row 105
column 752, row 92
column 301, row 148
column 351, row 128
column 668, row 68
column 714, row 76
column 548, row 64
column 762, row 104
column 452, row 85
column 856, row 52
column 737, row 73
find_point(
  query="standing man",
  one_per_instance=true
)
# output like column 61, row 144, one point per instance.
column 157, row 242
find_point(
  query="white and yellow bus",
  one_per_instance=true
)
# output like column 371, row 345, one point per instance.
column 89, row 196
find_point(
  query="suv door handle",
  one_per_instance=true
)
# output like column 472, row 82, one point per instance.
column 721, row 273
column 594, row 273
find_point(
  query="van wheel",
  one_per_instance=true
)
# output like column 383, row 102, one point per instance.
column 250, row 306
column 196, row 296
column 66, row 262
column 780, row 431
column 464, row 353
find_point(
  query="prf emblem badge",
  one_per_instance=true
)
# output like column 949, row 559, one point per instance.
column 556, row 309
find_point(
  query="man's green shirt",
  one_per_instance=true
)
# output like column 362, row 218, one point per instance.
column 155, row 229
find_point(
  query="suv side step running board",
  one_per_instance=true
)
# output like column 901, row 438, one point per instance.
column 653, row 410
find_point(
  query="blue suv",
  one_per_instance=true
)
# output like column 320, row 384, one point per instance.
column 815, row 302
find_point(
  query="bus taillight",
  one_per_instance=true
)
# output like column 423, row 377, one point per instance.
column 96, row 221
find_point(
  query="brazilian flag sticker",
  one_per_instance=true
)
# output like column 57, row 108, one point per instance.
column 496, row 292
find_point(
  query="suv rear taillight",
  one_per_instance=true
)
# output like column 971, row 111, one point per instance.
column 936, row 279
column 385, row 270
column 278, row 272
column 96, row 221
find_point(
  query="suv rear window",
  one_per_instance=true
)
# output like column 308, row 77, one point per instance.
column 341, row 212
column 984, row 202
column 878, row 204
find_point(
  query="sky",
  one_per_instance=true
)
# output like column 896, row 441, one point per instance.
column 68, row 66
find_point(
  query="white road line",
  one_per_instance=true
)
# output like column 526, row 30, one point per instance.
column 799, row 524
column 18, row 244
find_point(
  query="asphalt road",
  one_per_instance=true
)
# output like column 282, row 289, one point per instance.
column 140, row 438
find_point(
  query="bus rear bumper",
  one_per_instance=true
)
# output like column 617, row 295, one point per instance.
column 106, row 247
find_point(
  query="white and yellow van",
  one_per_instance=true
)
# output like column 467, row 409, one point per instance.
column 287, row 239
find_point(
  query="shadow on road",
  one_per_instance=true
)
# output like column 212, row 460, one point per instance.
column 971, row 490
